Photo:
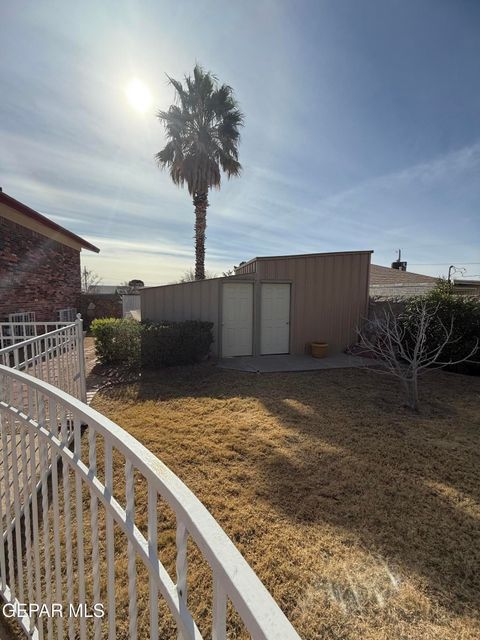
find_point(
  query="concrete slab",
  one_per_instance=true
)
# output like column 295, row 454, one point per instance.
column 269, row 364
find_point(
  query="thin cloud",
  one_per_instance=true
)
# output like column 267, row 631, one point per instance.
column 335, row 150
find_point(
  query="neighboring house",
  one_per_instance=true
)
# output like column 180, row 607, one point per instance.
column 395, row 282
column 273, row 305
column 110, row 301
column 106, row 289
column 391, row 282
column 467, row 287
column 39, row 264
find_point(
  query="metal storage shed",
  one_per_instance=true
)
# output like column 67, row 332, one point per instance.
column 273, row 305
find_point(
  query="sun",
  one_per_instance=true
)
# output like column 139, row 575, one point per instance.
column 138, row 95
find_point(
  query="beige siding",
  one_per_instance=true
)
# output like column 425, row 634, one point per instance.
column 186, row 301
column 329, row 296
column 247, row 268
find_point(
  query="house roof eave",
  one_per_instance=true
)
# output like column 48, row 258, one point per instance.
column 35, row 215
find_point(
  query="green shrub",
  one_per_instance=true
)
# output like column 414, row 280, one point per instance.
column 166, row 344
column 117, row 341
column 463, row 312
column 149, row 344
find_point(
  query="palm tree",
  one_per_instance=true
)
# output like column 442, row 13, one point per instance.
column 202, row 129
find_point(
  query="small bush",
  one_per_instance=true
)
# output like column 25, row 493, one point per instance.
column 117, row 341
column 166, row 344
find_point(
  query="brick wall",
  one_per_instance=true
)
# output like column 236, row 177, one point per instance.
column 406, row 290
column 96, row 305
column 36, row 273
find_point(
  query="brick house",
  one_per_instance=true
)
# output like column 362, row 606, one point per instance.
column 392, row 282
column 39, row 263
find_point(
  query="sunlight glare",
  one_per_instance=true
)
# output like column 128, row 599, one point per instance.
column 139, row 95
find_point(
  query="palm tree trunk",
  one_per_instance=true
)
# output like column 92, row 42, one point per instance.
column 200, row 202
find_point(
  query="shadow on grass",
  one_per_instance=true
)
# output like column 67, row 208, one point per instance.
column 350, row 455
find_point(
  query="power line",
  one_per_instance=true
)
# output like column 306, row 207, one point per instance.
column 440, row 264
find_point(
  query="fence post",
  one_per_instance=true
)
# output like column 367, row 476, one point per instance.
column 81, row 358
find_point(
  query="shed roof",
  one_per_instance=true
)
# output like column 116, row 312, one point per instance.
column 40, row 218
column 389, row 276
column 304, row 255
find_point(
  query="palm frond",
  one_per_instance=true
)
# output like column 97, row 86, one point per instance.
column 202, row 129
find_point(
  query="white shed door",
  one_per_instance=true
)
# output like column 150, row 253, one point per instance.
column 275, row 318
column 237, row 319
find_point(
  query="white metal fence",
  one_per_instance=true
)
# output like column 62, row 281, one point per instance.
column 87, row 529
column 50, row 351
column 15, row 331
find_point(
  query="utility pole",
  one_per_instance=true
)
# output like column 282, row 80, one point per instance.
column 453, row 269
column 85, row 279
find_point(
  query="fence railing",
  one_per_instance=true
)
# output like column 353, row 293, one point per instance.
column 93, row 530
column 50, row 351
column 15, row 331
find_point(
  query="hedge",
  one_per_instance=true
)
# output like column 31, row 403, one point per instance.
column 165, row 344
column 449, row 307
column 117, row 341
column 151, row 345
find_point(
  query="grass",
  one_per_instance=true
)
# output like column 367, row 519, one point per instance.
column 361, row 518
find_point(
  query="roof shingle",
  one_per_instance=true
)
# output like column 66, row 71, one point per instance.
column 387, row 276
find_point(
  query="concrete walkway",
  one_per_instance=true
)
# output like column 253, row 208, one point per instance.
column 269, row 364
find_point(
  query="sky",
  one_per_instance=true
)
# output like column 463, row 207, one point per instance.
column 362, row 128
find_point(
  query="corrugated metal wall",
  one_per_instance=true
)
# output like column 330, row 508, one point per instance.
column 186, row 301
column 329, row 296
column 247, row 268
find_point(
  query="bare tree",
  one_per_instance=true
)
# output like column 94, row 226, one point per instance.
column 90, row 280
column 406, row 349
column 189, row 276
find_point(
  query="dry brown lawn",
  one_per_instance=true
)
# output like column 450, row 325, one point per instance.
column 360, row 517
